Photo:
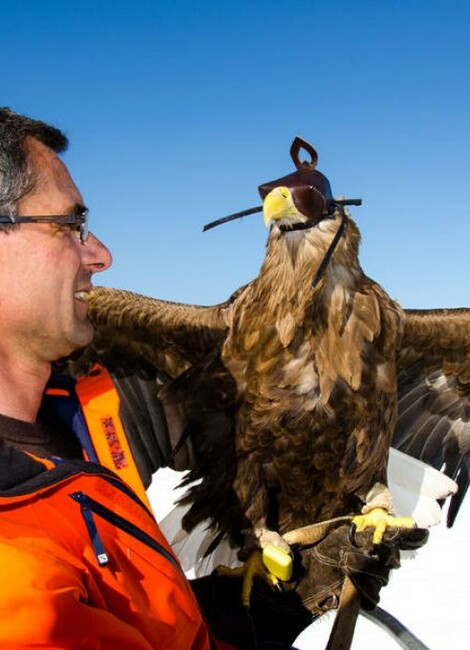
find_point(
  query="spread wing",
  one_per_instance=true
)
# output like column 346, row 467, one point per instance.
column 145, row 344
column 434, row 394
column 171, row 336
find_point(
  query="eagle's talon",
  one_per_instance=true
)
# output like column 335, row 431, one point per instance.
column 352, row 528
column 279, row 587
column 272, row 565
column 380, row 520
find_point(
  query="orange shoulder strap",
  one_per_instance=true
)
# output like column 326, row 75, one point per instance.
column 99, row 401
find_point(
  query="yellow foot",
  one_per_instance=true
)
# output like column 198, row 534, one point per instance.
column 272, row 565
column 380, row 519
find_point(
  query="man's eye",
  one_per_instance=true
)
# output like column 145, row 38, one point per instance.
column 71, row 228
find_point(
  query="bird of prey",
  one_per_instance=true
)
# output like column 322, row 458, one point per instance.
column 282, row 401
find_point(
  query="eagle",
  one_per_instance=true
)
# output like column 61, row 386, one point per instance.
column 283, row 401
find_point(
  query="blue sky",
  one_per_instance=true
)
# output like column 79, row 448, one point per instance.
column 177, row 111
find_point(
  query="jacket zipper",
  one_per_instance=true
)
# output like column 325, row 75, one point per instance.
column 87, row 514
column 88, row 507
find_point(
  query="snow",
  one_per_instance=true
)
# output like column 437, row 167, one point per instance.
column 427, row 594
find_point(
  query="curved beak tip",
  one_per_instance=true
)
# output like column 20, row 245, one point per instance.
column 266, row 219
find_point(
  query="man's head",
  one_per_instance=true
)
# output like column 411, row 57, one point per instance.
column 17, row 176
column 46, row 268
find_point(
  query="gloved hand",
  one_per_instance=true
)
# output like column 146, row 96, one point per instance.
column 340, row 554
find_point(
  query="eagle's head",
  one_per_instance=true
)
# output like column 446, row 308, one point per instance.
column 309, row 224
column 301, row 199
column 294, row 208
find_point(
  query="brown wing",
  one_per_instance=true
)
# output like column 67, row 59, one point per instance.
column 146, row 343
column 434, row 394
column 172, row 336
column 192, row 410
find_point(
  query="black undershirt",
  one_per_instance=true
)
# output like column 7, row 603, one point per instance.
column 47, row 437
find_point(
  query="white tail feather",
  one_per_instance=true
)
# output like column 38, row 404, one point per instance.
column 417, row 488
column 191, row 548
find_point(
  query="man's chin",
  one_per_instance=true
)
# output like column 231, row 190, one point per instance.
column 77, row 340
column 83, row 335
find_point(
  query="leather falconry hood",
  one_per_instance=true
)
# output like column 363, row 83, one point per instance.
column 310, row 189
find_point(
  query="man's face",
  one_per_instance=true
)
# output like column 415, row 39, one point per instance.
column 46, row 271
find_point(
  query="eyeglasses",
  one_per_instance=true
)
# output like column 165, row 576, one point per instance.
column 78, row 222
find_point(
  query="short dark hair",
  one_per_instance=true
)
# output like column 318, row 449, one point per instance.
column 17, row 176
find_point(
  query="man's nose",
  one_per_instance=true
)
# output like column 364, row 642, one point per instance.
column 95, row 254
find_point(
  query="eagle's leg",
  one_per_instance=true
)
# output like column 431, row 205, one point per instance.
column 272, row 563
column 265, row 553
column 253, row 567
column 376, row 513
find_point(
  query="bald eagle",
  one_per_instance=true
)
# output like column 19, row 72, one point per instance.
column 282, row 401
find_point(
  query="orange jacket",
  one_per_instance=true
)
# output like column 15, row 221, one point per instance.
column 84, row 564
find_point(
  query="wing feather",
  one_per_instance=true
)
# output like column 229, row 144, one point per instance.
column 434, row 394
column 170, row 335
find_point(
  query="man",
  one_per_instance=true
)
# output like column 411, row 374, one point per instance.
column 68, row 580
column 84, row 564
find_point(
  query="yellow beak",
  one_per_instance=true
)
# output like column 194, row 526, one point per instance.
column 278, row 204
